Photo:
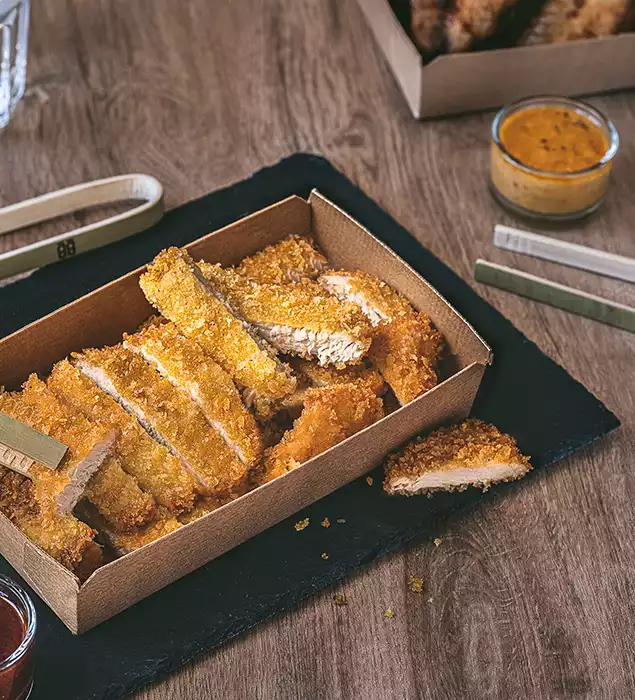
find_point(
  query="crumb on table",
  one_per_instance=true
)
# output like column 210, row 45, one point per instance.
column 389, row 613
column 415, row 584
column 324, row 556
column 340, row 599
column 302, row 524
column 369, row 480
column 326, row 523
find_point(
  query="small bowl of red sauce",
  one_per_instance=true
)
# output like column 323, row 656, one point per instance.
column 17, row 636
column 552, row 157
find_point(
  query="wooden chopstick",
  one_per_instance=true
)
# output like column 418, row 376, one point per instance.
column 571, row 254
column 557, row 295
column 89, row 194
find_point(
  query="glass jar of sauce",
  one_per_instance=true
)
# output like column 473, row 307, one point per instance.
column 552, row 157
column 17, row 635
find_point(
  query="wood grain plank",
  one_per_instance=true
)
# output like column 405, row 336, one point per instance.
column 532, row 589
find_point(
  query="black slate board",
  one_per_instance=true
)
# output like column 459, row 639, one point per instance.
column 555, row 416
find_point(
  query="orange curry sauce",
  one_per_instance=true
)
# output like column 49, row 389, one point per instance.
column 553, row 139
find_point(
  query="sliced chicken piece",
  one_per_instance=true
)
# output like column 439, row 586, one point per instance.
column 178, row 289
column 123, row 543
column 292, row 259
column 473, row 21
column 89, row 446
column 427, row 24
column 568, row 20
column 167, row 413
column 471, row 453
column 299, row 319
column 184, row 363
column 406, row 347
column 157, row 471
column 329, row 416
column 66, row 539
column 114, row 493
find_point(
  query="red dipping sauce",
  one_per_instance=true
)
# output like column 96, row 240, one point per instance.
column 17, row 634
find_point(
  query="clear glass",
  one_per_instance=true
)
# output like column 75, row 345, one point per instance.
column 547, row 195
column 14, row 38
column 16, row 672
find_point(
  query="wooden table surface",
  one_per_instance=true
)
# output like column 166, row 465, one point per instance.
column 531, row 594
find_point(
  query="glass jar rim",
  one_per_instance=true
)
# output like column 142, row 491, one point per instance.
column 10, row 586
column 580, row 106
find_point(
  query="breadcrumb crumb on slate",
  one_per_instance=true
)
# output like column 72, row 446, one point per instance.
column 369, row 480
column 326, row 523
column 437, row 541
column 302, row 525
column 324, row 556
column 341, row 520
column 471, row 453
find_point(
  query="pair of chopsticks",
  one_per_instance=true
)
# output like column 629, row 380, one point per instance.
column 552, row 293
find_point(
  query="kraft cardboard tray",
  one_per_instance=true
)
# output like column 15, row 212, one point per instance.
column 466, row 82
column 101, row 317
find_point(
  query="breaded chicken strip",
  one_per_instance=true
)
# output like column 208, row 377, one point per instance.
column 123, row 543
column 313, row 375
column 184, row 363
column 567, row 20
column 473, row 20
column 115, row 494
column 471, row 453
column 292, row 259
column 405, row 351
column 178, row 289
column 167, row 413
column 329, row 416
column 427, row 20
column 299, row 319
column 63, row 537
column 377, row 300
column 88, row 446
column 157, row 471
column 406, row 347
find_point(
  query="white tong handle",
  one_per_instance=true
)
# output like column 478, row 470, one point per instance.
column 89, row 194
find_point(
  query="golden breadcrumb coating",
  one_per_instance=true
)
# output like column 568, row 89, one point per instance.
column 178, row 289
column 292, row 259
column 118, row 497
column 427, row 24
column 329, row 416
column 202, row 507
column 156, row 470
column 114, row 493
column 323, row 377
column 378, row 301
column 123, row 543
column 405, row 351
column 167, row 413
column 88, row 446
column 475, row 450
column 299, row 318
column 406, row 347
column 568, row 20
column 188, row 367
column 63, row 537
column 473, row 20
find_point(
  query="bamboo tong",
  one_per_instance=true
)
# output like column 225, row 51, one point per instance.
column 552, row 293
column 80, row 240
